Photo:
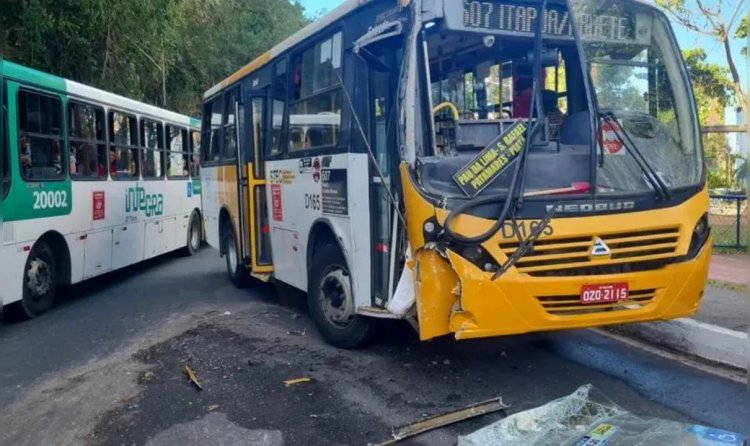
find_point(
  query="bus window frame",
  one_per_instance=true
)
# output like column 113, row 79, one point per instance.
column 105, row 142
column 6, row 175
column 185, row 150
column 63, row 135
column 229, row 106
column 144, row 149
column 282, row 146
column 111, row 144
column 296, row 56
column 207, row 129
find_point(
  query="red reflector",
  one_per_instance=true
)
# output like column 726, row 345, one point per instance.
column 266, row 229
column 83, row 237
column 26, row 248
column 381, row 247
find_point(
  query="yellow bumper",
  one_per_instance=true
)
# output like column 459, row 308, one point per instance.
column 512, row 304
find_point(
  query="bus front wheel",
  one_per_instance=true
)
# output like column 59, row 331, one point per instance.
column 238, row 274
column 331, row 300
column 39, row 280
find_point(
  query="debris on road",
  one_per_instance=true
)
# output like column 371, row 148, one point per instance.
column 193, row 377
column 589, row 418
column 146, row 377
column 442, row 420
column 212, row 407
column 297, row 333
column 291, row 382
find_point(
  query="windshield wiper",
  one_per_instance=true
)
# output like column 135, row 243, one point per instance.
column 648, row 170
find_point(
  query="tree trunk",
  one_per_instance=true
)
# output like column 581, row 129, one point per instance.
column 736, row 82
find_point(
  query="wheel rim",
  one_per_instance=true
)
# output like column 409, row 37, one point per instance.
column 335, row 297
column 39, row 280
column 194, row 236
column 231, row 254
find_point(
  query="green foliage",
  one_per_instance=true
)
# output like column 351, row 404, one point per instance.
column 149, row 50
column 742, row 33
column 711, row 83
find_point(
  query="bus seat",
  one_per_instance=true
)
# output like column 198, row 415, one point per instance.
column 575, row 129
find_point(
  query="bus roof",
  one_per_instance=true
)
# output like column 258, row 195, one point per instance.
column 344, row 9
column 48, row 81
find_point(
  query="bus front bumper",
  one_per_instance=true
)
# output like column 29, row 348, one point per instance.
column 517, row 303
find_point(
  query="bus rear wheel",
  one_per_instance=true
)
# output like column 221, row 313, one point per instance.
column 331, row 300
column 39, row 280
column 194, row 232
column 237, row 272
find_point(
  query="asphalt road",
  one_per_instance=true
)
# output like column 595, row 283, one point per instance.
column 106, row 367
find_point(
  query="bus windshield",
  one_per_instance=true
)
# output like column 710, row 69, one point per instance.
column 637, row 74
column 481, row 70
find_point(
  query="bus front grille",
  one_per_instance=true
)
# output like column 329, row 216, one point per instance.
column 572, row 306
column 571, row 256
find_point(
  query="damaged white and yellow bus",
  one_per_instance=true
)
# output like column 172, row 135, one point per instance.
column 480, row 168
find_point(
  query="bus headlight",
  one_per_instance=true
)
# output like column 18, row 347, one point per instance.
column 700, row 235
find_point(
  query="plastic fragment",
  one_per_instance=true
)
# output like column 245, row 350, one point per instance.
column 291, row 382
column 193, row 377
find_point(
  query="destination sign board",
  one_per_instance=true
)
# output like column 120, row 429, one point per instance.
column 512, row 18
column 493, row 160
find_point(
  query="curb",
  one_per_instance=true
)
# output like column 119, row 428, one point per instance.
column 710, row 342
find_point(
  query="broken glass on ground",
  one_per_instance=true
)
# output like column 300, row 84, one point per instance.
column 588, row 418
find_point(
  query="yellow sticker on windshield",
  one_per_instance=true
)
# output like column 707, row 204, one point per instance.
column 493, row 160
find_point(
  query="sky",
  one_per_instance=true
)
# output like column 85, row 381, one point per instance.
column 686, row 39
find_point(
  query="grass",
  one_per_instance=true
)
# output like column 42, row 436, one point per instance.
column 728, row 286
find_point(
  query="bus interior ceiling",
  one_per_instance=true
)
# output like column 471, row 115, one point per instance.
column 489, row 80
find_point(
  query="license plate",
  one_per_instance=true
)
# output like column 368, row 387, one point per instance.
column 602, row 294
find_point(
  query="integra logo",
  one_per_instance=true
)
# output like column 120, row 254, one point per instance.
column 591, row 207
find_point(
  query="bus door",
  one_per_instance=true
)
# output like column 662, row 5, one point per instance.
column 384, row 221
column 258, row 225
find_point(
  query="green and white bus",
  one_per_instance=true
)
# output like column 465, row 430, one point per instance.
column 91, row 182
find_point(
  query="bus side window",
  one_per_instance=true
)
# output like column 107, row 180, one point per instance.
column 123, row 146
column 41, row 139
column 229, row 125
column 88, row 151
column 315, row 113
column 152, row 146
column 195, row 154
column 177, row 148
column 211, row 128
column 278, row 107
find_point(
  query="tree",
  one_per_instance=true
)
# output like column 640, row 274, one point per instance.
column 713, row 91
column 166, row 52
column 721, row 20
column 742, row 33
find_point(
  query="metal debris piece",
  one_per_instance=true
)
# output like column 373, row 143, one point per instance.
column 297, row 333
column 438, row 421
column 291, row 382
column 212, row 407
column 193, row 377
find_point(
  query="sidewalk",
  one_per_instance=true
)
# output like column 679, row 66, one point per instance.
column 733, row 269
column 725, row 308
column 718, row 332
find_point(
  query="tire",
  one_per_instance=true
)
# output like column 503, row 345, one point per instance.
column 331, row 301
column 39, row 280
column 193, row 237
column 238, row 274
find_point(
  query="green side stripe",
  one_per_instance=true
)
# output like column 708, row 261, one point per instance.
column 33, row 77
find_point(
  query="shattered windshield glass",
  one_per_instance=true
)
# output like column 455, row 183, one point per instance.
column 481, row 73
column 637, row 74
